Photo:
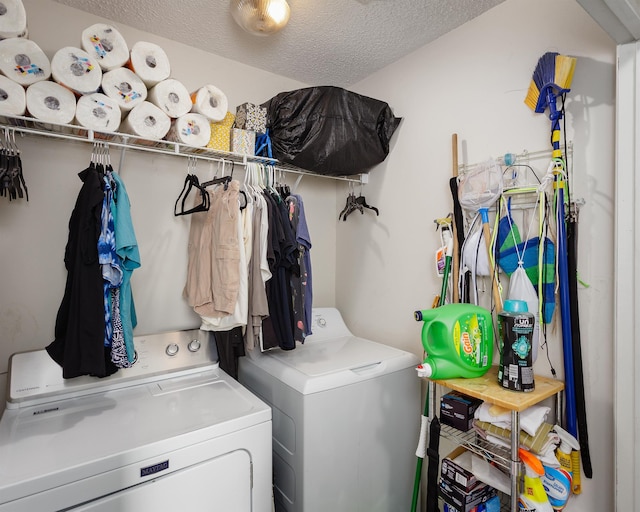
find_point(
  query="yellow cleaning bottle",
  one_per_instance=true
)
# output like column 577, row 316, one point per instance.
column 533, row 497
column 564, row 453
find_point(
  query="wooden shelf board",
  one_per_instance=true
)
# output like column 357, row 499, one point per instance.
column 487, row 388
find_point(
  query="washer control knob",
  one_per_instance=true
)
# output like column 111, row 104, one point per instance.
column 194, row 345
column 172, row 349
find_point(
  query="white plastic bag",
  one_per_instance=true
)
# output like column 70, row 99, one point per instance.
column 521, row 288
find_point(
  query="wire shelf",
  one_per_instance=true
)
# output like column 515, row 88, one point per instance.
column 32, row 126
column 472, row 441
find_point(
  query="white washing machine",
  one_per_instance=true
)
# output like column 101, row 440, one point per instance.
column 174, row 432
column 346, row 416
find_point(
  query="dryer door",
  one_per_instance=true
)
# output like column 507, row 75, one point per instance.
column 222, row 483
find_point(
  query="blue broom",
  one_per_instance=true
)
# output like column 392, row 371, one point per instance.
column 551, row 80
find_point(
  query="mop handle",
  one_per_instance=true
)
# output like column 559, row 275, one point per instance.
column 487, row 240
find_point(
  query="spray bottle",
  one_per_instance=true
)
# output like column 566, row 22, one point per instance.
column 533, row 497
column 557, row 484
column 458, row 340
column 564, row 454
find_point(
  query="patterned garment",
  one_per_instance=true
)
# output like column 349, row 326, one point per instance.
column 108, row 258
column 118, row 348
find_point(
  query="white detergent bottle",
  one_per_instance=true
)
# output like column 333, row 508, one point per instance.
column 533, row 497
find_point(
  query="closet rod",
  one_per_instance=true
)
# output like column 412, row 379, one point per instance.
column 520, row 158
column 30, row 126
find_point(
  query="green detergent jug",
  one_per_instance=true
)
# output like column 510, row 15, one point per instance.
column 458, row 340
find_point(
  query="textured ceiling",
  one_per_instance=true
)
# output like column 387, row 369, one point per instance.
column 327, row 42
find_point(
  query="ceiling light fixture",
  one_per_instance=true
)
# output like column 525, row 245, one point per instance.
column 260, row 17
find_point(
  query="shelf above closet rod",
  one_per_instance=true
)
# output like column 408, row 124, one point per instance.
column 31, row 126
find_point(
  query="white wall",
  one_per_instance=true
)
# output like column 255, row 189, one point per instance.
column 473, row 82
column 34, row 233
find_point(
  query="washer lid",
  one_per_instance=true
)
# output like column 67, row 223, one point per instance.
column 322, row 365
column 52, row 444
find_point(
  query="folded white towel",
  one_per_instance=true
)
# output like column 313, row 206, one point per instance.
column 530, row 419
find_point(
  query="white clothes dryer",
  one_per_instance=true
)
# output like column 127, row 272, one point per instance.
column 174, row 432
column 346, row 418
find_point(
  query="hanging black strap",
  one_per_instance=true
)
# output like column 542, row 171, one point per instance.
column 434, row 465
column 578, row 373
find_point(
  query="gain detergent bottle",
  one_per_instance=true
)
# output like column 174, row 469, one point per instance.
column 458, row 340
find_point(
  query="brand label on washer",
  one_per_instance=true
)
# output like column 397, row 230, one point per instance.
column 156, row 468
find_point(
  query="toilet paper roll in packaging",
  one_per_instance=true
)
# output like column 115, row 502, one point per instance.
column 124, row 86
column 147, row 121
column 150, row 62
column 106, row 45
column 221, row 133
column 191, row 129
column 13, row 101
column 51, row 102
column 23, row 61
column 13, row 19
column 76, row 70
column 98, row 112
column 211, row 102
column 171, row 96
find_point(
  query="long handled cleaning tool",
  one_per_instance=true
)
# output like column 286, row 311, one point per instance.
column 552, row 80
column 583, row 433
column 478, row 189
column 434, row 425
column 458, row 221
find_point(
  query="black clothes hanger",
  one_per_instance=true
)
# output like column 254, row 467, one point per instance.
column 363, row 202
column 191, row 182
column 223, row 179
column 349, row 206
column 12, row 182
column 356, row 203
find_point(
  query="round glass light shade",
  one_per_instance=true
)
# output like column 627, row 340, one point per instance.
column 260, row 17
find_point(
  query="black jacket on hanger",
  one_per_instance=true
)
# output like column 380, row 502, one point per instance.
column 80, row 324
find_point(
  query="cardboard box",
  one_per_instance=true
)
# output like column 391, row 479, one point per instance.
column 456, row 410
column 221, row 133
column 465, row 502
column 243, row 142
column 251, row 117
column 452, row 469
column 491, row 505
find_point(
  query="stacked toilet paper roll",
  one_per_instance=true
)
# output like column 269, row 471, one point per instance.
column 76, row 70
column 211, row 102
column 23, row 61
column 125, row 87
column 50, row 102
column 150, row 62
column 147, row 121
column 106, row 45
column 98, row 112
column 171, row 96
column 191, row 129
column 13, row 101
column 13, row 19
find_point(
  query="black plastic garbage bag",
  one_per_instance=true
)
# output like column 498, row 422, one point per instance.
column 329, row 130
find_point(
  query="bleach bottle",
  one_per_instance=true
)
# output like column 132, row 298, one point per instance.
column 458, row 340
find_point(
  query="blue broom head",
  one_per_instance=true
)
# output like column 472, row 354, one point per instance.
column 551, row 78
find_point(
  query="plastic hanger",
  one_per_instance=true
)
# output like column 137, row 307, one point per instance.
column 191, row 182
